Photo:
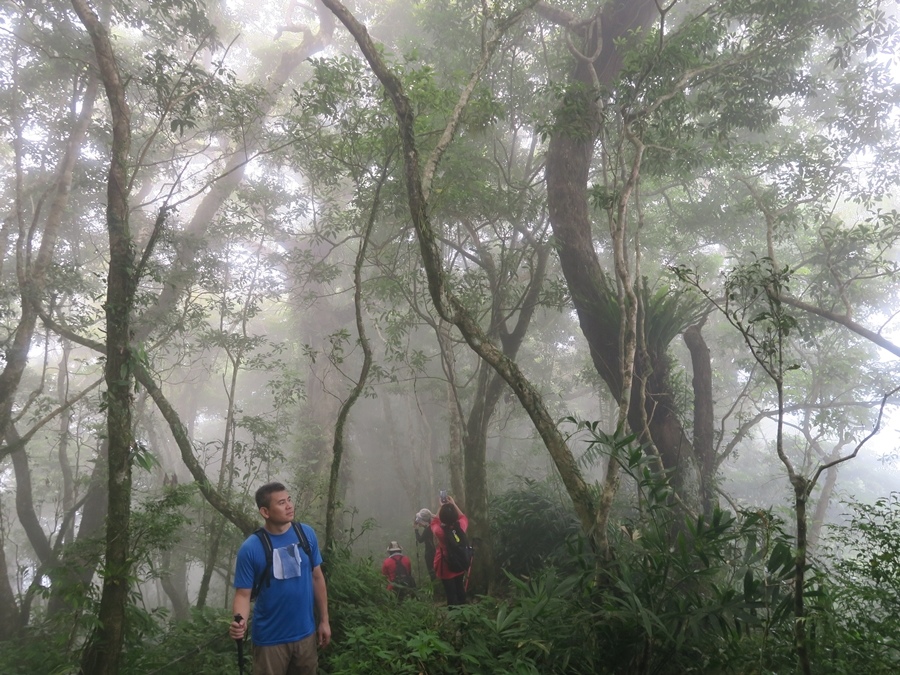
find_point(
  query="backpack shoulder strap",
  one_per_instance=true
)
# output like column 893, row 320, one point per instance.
column 266, row 542
column 263, row 536
column 304, row 542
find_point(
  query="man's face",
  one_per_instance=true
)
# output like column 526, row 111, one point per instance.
column 280, row 509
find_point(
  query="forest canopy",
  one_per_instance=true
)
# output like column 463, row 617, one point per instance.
column 621, row 276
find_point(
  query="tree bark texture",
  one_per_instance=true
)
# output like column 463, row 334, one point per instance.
column 704, row 442
column 457, row 436
column 102, row 652
column 801, row 496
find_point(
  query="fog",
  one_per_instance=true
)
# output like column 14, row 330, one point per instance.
column 636, row 263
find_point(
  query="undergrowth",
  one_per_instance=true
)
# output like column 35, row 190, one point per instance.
column 698, row 596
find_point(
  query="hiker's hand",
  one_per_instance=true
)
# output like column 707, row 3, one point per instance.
column 238, row 629
column 324, row 634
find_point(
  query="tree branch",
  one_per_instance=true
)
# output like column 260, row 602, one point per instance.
column 844, row 321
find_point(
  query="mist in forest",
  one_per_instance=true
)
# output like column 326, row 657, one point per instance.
column 620, row 277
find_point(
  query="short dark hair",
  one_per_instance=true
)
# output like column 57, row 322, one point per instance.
column 264, row 494
column 448, row 514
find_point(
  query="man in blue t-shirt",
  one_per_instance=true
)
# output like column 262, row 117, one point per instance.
column 284, row 625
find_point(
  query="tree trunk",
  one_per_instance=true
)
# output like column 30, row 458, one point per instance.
column 704, row 443
column 215, row 498
column 457, row 440
column 476, row 504
column 490, row 388
column 74, row 570
column 569, row 162
column 9, row 611
column 174, row 583
column 65, row 422
column 818, row 521
column 102, row 652
column 340, row 424
column 212, row 557
column 25, row 504
column 801, row 495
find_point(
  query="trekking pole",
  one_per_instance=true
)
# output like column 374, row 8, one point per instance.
column 418, row 562
column 240, row 647
column 469, row 571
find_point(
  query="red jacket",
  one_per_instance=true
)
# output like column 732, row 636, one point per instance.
column 439, row 567
column 389, row 567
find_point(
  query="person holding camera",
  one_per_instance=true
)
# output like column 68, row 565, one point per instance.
column 423, row 536
column 449, row 516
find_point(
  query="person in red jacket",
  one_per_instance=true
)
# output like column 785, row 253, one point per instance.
column 454, row 582
column 398, row 570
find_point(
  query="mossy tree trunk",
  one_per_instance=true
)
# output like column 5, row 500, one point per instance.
column 102, row 652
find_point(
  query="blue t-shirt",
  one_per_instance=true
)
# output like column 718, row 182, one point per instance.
column 284, row 609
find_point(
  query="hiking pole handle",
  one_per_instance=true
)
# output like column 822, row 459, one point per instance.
column 240, row 646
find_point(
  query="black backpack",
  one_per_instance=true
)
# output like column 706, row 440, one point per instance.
column 402, row 576
column 459, row 551
column 266, row 575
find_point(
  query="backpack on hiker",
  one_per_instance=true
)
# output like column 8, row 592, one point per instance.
column 266, row 576
column 459, row 551
column 403, row 578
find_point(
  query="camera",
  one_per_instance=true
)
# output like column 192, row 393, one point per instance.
column 443, row 496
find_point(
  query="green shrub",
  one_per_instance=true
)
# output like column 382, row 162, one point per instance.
column 199, row 646
column 856, row 616
column 530, row 526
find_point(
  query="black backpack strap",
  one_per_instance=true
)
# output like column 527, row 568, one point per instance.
column 304, row 542
column 266, row 542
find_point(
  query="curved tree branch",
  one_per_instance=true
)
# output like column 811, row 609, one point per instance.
column 844, row 321
column 217, row 500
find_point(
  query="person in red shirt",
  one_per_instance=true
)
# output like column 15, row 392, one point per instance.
column 454, row 582
column 398, row 570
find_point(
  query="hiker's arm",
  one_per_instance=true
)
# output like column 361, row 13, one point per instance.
column 450, row 500
column 241, row 605
column 320, row 594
